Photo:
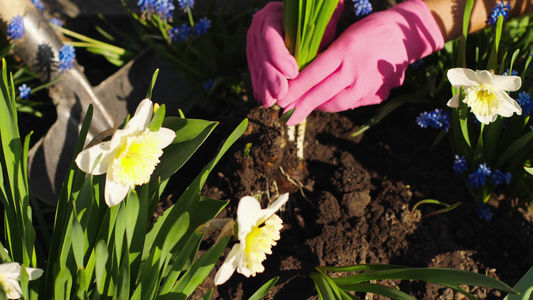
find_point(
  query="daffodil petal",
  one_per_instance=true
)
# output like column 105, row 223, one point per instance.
column 248, row 212
column 510, row 106
column 454, row 101
column 487, row 119
column 167, row 136
column 12, row 288
column 115, row 192
column 275, row 206
column 228, row 267
column 484, row 77
column 507, row 83
column 34, row 273
column 10, row 270
column 86, row 159
column 462, row 77
column 142, row 117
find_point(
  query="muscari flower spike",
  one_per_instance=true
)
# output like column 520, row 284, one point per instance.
column 130, row 157
column 66, row 57
column 15, row 29
column 498, row 177
column 202, row 26
column 436, row 119
column 258, row 231
column 479, row 177
column 10, row 277
column 164, row 9
column 24, row 91
column 485, row 93
column 147, row 6
column 513, row 73
column 184, row 4
column 38, row 4
column 460, row 165
column 208, row 85
column 524, row 100
column 56, row 22
column 179, row 33
column 362, row 7
column 501, row 9
column 483, row 212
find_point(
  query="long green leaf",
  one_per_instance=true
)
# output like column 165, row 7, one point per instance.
column 63, row 284
column 447, row 276
column 198, row 271
column 184, row 258
column 327, row 289
column 263, row 290
column 190, row 134
column 358, row 268
column 378, row 289
column 101, row 256
column 190, row 198
column 524, row 287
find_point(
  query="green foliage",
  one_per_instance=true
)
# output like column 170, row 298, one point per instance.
column 447, row 207
column 118, row 56
column 263, row 290
column 304, row 24
column 524, row 287
column 19, row 233
column 337, row 288
column 119, row 252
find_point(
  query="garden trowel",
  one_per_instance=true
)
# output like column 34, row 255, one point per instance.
column 72, row 94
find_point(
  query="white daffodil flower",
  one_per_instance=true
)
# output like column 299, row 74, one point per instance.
column 485, row 93
column 130, row 157
column 258, row 231
column 10, row 277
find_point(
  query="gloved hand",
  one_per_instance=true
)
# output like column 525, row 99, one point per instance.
column 365, row 62
column 269, row 61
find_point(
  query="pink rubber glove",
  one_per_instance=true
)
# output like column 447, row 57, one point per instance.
column 269, row 61
column 365, row 62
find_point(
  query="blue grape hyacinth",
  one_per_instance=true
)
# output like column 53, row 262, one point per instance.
column 147, row 6
column 483, row 212
column 38, row 4
column 499, row 177
column 501, row 9
column 24, row 91
column 460, row 165
column 362, row 7
column 66, row 57
column 202, row 26
column 479, row 177
column 208, row 85
column 179, row 33
column 56, row 22
column 524, row 100
column 15, row 29
column 437, row 119
column 513, row 73
column 184, row 4
column 162, row 8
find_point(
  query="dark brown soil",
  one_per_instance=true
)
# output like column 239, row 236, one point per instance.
column 351, row 203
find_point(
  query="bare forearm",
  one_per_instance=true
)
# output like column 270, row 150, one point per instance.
column 449, row 14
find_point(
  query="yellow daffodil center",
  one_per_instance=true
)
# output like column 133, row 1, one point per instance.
column 482, row 101
column 136, row 159
column 259, row 242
